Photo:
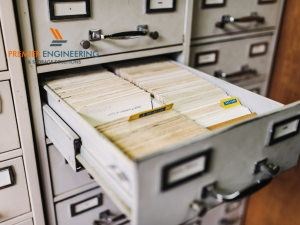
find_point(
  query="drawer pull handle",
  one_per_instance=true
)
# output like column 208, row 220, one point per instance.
column 7, row 177
column 254, row 17
column 106, row 217
column 244, row 70
column 95, row 35
column 264, row 175
column 228, row 221
column 142, row 30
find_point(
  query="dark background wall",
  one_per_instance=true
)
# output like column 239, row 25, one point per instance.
column 279, row 203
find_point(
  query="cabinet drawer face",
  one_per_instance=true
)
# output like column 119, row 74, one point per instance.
column 9, row 137
column 84, row 208
column 63, row 177
column 231, row 56
column 3, row 65
column 109, row 16
column 205, row 19
column 13, row 189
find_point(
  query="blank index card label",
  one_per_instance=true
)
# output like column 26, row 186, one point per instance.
column 69, row 8
column 186, row 170
column 161, row 4
column 212, row 2
column 286, row 129
column 87, row 205
column 207, row 58
column 5, row 178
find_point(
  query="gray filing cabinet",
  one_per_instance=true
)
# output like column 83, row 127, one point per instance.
column 178, row 32
column 217, row 29
column 20, row 198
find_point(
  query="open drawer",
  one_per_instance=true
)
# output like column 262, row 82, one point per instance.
column 236, row 157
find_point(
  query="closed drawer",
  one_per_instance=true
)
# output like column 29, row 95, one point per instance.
column 231, row 56
column 63, row 177
column 205, row 19
column 109, row 16
column 3, row 65
column 9, row 137
column 235, row 150
column 27, row 222
column 13, row 189
column 85, row 208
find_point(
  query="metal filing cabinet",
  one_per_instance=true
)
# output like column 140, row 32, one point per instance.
column 20, row 197
column 144, row 202
column 13, row 189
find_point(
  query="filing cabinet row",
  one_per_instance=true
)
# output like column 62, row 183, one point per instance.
column 81, row 30
column 232, row 39
column 19, row 188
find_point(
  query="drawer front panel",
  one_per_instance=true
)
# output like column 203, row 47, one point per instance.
column 204, row 20
column 14, row 193
column 111, row 17
column 231, row 56
column 84, row 208
column 9, row 137
column 63, row 177
column 3, row 65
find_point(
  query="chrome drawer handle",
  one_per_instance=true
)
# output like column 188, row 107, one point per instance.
column 244, row 70
column 119, row 36
column 95, row 35
column 264, row 175
column 142, row 30
column 254, row 17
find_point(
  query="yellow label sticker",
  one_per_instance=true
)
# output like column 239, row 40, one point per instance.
column 150, row 112
column 230, row 102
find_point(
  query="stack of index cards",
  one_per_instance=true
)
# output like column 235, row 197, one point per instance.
column 192, row 96
column 100, row 96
